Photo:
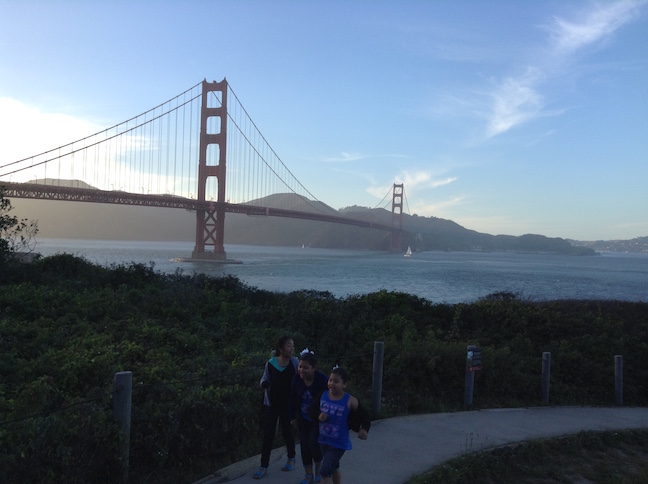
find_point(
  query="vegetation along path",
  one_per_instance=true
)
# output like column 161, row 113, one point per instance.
column 196, row 345
column 401, row 448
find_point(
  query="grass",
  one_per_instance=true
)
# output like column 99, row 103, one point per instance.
column 587, row 457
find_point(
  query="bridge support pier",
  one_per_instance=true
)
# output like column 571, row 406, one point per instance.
column 210, row 221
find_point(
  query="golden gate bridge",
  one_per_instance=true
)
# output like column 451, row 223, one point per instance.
column 150, row 160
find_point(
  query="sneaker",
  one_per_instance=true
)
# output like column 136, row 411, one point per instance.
column 289, row 465
column 260, row 474
column 308, row 479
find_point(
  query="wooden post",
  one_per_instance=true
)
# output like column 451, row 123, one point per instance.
column 376, row 385
column 469, row 383
column 618, row 379
column 546, row 375
column 123, row 384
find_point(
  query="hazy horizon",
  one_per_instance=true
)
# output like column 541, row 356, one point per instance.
column 96, row 221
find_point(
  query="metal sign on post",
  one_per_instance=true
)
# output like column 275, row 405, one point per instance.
column 474, row 359
column 473, row 364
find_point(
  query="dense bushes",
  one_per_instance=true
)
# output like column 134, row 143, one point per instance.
column 196, row 346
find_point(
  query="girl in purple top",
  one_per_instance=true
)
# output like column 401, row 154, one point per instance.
column 306, row 387
column 337, row 408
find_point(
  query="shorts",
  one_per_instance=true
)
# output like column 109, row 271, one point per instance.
column 330, row 460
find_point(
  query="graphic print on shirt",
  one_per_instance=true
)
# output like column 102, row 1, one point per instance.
column 335, row 412
column 307, row 400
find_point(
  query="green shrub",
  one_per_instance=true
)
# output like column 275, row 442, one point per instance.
column 196, row 346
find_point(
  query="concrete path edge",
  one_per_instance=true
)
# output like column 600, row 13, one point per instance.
column 400, row 448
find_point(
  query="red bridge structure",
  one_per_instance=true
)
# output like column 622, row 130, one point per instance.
column 149, row 160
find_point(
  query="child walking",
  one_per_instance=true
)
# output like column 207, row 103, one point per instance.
column 338, row 412
column 306, row 387
column 276, row 380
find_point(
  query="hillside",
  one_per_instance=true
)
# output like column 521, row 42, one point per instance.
column 61, row 219
column 636, row 245
column 432, row 233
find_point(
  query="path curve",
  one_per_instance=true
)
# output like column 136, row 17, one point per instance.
column 402, row 447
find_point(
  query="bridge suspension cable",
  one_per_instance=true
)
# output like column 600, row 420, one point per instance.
column 156, row 153
column 134, row 156
column 177, row 155
column 386, row 202
column 258, row 150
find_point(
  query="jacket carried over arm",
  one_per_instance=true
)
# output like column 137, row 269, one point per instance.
column 358, row 419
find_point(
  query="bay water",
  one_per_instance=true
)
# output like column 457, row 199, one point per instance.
column 440, row 277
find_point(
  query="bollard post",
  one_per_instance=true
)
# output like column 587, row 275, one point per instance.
column 618, row 379
column 376, row 385
column 546, row 375
column 123, row 385
column 469, row 383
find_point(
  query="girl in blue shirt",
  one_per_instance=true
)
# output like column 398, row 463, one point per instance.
column 339, row 411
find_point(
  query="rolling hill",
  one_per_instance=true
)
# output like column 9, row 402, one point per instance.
column 62, row 219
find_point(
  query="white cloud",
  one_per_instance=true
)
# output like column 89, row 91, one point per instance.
column 514, row 102
column 26, row 131
column 54, row 145
column 379, row 191
column 414, row 185
column 445, row 181
column 345, row 157
column 603, row 21
column 414, row 180
column 421, row 180
column 435, row 209
column 518, row 99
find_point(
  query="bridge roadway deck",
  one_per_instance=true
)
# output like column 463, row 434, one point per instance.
column 74, row 194
column 399, row 448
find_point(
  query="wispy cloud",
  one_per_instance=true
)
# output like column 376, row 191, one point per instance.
column 604, row 20
column 435, row 209
column 445, row 181
column 516, row 100
column 421, row 180
column 414, row 182
column 379, row 191
column 346, row 157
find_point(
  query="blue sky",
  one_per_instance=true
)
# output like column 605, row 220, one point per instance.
column 508, row 117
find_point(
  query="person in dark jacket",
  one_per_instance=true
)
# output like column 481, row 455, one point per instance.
column 306, row 387
column 276, row 381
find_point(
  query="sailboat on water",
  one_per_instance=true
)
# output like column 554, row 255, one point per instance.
column 408, row 252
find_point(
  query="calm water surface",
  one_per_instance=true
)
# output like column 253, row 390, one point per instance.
column 437, row 276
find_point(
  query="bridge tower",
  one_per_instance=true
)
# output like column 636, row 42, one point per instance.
column 210, row 222
column 396, row 237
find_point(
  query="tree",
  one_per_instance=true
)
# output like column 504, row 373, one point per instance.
column 16, row 235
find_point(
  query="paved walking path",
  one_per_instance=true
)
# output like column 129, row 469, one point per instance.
column 403, row 447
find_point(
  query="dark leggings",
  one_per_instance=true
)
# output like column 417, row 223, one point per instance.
column 270, row 416
column 310, row 448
